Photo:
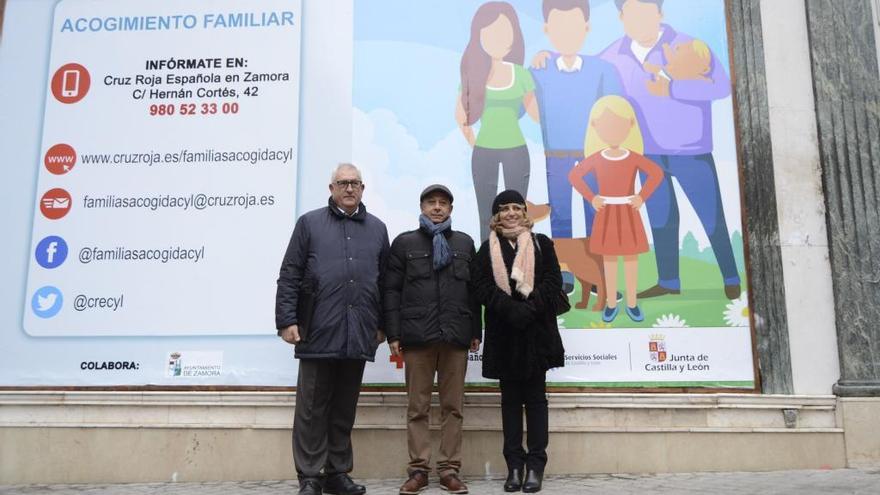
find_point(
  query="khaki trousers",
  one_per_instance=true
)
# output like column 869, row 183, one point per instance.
column 450, row 364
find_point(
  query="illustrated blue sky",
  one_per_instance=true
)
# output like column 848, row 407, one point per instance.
column 407, row 53
column 406, row 77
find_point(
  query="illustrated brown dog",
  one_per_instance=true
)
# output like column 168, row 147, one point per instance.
column 575, row 256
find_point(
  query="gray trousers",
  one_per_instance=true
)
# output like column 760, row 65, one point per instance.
column 327, row 393
column 484, row 167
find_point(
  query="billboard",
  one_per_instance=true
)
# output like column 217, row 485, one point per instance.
column 156, row 165
column 487, row 95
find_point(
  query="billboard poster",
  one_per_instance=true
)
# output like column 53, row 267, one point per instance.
column 155, row 168
column 484, row 96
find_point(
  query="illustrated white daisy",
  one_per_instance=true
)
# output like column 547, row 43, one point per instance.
column 670, row 321
column 560, row 322
column 737, row 312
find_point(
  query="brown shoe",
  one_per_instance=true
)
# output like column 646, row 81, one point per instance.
column 657, row 291
column 452, row 484
column 732, row 291
column 417, row 482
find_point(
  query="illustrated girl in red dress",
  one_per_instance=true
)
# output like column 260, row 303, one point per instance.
column 613, row 149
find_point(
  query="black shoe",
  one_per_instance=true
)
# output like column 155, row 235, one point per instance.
column 514, row 480
column 594, row 291
column 309, row 486
column 533, row 481
column 341, row 484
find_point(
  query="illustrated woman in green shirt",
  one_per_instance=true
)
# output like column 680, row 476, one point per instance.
column 494, row 90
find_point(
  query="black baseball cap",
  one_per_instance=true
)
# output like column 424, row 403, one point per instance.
column 436, row 188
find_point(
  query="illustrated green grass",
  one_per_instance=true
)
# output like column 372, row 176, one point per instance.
column 701, row 303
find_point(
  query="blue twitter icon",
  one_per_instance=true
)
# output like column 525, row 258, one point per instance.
column 47, row 301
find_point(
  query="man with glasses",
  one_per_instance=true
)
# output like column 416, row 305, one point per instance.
column 328, row 305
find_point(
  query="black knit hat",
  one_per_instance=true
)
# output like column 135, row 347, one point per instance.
column 507, row 197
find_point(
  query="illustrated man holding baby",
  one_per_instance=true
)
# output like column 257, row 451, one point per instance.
column 671, row 79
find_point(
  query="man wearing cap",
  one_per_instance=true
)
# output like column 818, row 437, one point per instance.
column 432, row 320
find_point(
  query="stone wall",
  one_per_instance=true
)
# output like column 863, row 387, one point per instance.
column 799, row 198
column 78, row 437
column 846, row 81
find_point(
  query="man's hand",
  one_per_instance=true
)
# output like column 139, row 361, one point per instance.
column 291, row 334
column 475, row 345
column 659, row 87
column 380, row 336
column 395, row 348
column 539, row 61
column 653, row 69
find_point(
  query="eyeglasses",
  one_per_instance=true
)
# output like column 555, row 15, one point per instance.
column 345, row 184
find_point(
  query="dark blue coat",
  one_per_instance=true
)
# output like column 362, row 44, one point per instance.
column 344, row 257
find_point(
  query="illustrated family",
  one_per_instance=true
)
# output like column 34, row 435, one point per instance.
column 617, row 128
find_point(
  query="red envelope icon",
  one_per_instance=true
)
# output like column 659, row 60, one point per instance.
column 55, row 203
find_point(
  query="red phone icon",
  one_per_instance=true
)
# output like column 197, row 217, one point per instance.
column 70, row 83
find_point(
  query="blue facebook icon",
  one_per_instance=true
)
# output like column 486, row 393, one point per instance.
column 51, row 252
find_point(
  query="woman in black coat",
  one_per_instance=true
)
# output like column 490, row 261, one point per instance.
column 516, row 277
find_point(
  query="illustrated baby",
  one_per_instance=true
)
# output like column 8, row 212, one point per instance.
column 690, row 60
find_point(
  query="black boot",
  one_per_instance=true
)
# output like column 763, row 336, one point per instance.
column 514, row 480
column 533, row 481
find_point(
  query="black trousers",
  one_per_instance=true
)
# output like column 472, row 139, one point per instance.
column 327, row 393
column 530, row 394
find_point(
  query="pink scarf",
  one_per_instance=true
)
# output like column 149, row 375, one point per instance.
column 523, row 270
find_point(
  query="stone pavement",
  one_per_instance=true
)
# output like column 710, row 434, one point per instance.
column 841, row 481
